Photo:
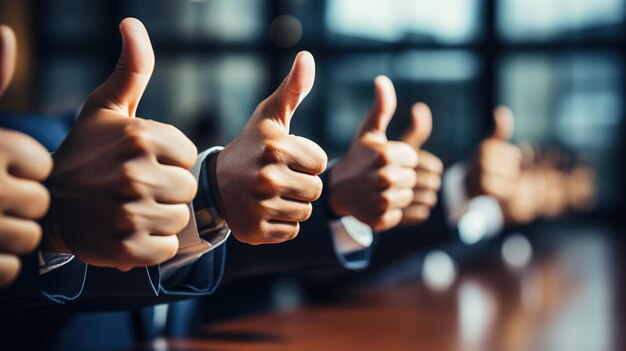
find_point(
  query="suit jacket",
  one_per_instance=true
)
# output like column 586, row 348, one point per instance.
column 63, row 308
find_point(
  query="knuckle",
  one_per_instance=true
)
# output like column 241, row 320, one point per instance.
column 29, row 240
column 127, row 251
column 281, row 236
column 306, row 212
column 384, row 178
column 189, row 187
column 383, row 155
column 126, row 220
column 317, row 189
column 319, row 159
column 181, row 218
column 137, row 138
column 41, row 202
column 272, row 152
column 383, row 202
column 266, row 182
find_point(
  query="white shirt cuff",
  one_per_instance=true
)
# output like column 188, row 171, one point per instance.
column 49, row 261
column 350, row 235
column 191, row 245
column 475, row 219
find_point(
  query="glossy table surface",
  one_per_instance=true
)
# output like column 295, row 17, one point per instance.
column 568, row 297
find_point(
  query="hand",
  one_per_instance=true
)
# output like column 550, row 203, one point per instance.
column 374, row 181
column 429, row 169
column 23, row 164
column 496, row 166
column 121, row 184
column 265, row 180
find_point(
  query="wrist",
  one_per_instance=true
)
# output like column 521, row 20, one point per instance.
column 51, row 241
column 333, row 202
column 213, row 184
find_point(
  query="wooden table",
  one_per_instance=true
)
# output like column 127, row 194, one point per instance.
column 568, row 298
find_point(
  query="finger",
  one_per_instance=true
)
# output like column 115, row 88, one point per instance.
column 415, row 214
column 396, row 176
column 428, row 180
column 508, row 171
column 26, row 199
column 294, row 88
column 401, row 154
column 504, row 123
column 18, row 236
column 166, row 219
column 303, row 155
column 497, row 186
column 173, row 185
column 150, row 250
column 389, row 220
column 384, row 107
column 8, row 51
column 301, row 187
column 425, row 197
column 288, row 211
column 123, row 90
column 421, row 126
column 429, row 162
column 26, row 157
column 396, row 198
column 172, row 146
column 280, row 231
column 9, row 269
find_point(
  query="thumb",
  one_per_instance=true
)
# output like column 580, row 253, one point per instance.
column 8, row 50
column 383, row 109
column 504, row 123
column 421, row 125
column 294, row 88
column 123, row 90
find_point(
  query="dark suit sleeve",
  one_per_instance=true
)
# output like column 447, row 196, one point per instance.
column 401, row 242
column 64, row 284
column 313, row 248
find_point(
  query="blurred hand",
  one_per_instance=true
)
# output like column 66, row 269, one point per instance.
column 495, row 168
column 265, row 180
column 374, row 181
column 23, row 164
column 121, row 184
column 429, row 168
column 581, row 188
column 523, row 205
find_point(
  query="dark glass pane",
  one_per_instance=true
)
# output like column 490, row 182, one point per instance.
column 442, row 21
column 199, row 93
column 570, row 100
column 63, row 83
column 560, row 19
column 446, row 80
column 73, row 19
column 223, row 21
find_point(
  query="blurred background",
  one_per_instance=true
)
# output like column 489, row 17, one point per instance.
column 559, row 64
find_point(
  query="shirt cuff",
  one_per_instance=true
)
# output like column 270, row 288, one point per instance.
column 350, row 235
column 476, row 218
column 49, row 261
column 199, row 237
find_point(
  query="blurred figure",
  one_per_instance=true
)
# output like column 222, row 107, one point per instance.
column 496, row 165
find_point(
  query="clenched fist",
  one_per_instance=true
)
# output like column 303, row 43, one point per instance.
column 496, row 166
column 429, row 169
column 121, row 184
column 23, row 164
column 265, row 180
column 374, row 181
